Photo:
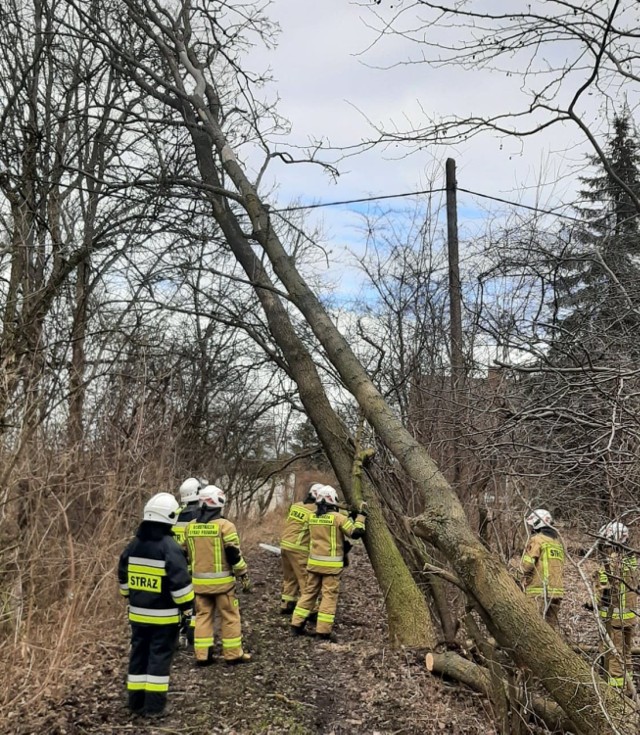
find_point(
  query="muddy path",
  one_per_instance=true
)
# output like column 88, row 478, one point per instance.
column 295, row 685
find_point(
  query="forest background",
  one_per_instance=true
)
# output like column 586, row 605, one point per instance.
column 165, row 313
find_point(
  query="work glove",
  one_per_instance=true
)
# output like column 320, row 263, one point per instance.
column 588, row 606
column 362, row 509
column 186, row 615
column 246, row 584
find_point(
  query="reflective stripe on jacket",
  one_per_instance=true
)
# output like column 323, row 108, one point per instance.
column 187, row 514
column 616, row 583
column 153, row 575
column 543, row 566
column 326, row 553
column 295, row 534
column 210, row 546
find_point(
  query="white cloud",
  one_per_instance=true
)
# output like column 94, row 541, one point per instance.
column 328, row 85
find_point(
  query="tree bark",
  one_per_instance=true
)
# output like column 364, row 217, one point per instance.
column 455, row 667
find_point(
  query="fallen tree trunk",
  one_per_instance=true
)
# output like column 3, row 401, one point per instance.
column 592, row 705
column 456, row 667
column 515, row 624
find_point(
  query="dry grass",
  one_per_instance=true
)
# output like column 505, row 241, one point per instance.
column 60, row 543
column 58, row 597
column 268, row 530
column 61, row 530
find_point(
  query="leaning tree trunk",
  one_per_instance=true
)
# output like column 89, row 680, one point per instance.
column 591, row 706
column 408, row 615
column 518, row 629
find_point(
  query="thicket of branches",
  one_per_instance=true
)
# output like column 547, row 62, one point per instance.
column 135, row 349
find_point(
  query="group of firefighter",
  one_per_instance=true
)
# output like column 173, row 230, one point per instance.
column 180, row 570
column 614, row 592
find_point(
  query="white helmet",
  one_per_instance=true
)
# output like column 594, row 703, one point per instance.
column 327, row 494
column 539, row 518
column 211, row 497
column 313, row 490
column 615, row 531
column 189, row 489
column 162, row 508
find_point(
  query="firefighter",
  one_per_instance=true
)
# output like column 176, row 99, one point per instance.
column 188, row 511
column 327, row 529
column 213, row 547
column 542, row 566
column 153, row 575
column 189, row 505
column 615, row 587
column 294, row 549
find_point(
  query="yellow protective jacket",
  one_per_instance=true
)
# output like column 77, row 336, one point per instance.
column 543, row 565
column 327, row 532
column 186, row 514
column 615, row 586
column 213, row 548
column 295, row 534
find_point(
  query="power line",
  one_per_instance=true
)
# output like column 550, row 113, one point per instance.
column 521, row 205
column 531, row 208
column 356, row 201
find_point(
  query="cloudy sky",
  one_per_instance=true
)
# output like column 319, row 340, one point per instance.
column 333, row 83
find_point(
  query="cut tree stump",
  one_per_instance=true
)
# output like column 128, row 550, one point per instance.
column 458, row 668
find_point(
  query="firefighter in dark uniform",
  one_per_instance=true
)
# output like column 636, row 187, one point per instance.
column 153, row 575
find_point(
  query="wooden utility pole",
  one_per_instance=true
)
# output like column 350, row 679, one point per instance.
column 455, row 314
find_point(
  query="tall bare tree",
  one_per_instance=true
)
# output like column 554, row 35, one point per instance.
column 187, row 81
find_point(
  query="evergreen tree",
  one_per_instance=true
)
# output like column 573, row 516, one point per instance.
column 599, row 285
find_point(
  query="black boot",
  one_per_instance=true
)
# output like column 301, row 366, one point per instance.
column 327, row 637
column 155, row 705
column 136, row 702
column 297, row 629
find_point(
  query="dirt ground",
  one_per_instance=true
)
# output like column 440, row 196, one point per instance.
column 294, row 685
column 299, row 686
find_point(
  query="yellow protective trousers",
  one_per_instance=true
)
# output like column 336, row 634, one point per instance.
column 294, row 576
column 618, row 663
column 227, row 606
column 327, row 585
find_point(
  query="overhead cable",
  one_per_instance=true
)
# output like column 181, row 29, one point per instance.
column 381, row 197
